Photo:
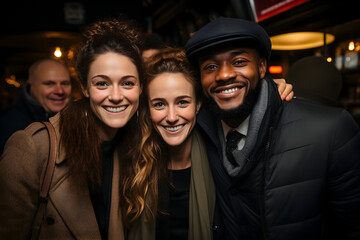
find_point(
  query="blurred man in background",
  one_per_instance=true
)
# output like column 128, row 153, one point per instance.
column 46, row 92
column 316, row 80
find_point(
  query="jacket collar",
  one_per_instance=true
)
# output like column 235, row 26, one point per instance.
column 55, row 121
column 37, row 111
column 209, row 123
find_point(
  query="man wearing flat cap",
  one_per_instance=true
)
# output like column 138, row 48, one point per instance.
column 283, row 170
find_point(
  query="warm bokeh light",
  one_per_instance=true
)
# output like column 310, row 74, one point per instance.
column 300, row 40
column 275, row 69
column 357, row 47
column 351, row 46
column 57, row 52
column 12, row 81
column 70, row 54
column 329, row 59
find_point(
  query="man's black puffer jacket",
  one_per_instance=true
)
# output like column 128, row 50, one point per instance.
column 303, row 178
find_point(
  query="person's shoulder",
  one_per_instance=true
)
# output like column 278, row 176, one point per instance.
column 30, row 131
column 313, row 109
column 319, row 115
column 28, row 148
column 321, row 123
column 30, row 141
column 15, row 111
column 7, row 112
column 34, row 128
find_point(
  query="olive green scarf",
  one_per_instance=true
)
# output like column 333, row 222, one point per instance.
column 201, row 203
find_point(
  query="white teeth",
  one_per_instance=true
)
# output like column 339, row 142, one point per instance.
column 173, row 129
column 115, row 109
column 230, row 90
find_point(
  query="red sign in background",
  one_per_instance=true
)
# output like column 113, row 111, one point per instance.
column 263, row 9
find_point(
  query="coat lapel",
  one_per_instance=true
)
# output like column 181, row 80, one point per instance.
column 72, row 200
column 71, row 197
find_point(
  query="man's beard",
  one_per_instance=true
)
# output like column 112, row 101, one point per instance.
column 240, row 113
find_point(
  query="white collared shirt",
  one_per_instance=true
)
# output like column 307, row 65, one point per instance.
column 242, row 128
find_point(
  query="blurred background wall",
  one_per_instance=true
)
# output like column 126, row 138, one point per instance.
column 32, row 30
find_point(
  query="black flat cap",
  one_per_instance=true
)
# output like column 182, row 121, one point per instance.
column 223, row 31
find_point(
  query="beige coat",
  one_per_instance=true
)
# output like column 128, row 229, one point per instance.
column 69, row 213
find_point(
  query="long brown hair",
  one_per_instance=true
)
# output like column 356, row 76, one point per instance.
column 79, row 125
column 152, row 148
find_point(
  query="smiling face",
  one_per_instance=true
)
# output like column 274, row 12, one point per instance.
column 228, row 75
column 173, row 107
column 51, row 86
column 113, row 89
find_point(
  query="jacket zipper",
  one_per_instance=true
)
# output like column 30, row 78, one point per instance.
column 262, row 187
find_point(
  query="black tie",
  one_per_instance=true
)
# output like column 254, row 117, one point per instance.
column 232, row 139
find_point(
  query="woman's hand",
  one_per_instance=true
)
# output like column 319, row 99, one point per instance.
column 285, row 89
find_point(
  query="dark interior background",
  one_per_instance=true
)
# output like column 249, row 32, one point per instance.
column 31, row 30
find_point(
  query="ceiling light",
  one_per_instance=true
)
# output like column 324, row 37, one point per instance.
column 57, row 52
column 300, row 40
column 351, row 46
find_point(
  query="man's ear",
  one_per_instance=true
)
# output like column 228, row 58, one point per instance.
column 262, row 67
column 84, row 91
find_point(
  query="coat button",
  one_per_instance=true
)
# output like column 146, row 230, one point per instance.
column 50, row 220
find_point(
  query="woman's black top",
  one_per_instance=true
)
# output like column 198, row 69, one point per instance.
column 101, row 197
column 174, row 224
